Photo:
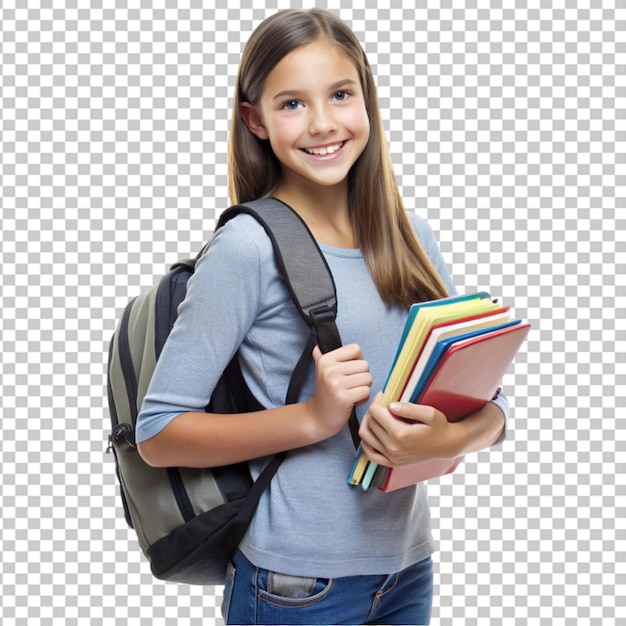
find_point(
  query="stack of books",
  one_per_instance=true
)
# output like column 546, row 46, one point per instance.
column 452, row 356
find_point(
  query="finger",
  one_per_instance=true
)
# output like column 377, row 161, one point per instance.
column 376, row 401
column 340, row 363
column 358, row 382
column 317, row 354
column 349, row 352
column 358, row 396
column 410, row 412
column 372, row 433
column 379, row 419
column 376, row 435
column 375, row 455
column 356, row 369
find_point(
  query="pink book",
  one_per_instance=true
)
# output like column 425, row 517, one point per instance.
column 466, row 379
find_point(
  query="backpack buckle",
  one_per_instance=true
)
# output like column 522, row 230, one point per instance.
column 322, row 315
column 325, row 328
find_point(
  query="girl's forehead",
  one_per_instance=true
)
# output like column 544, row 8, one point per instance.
column 314, row 64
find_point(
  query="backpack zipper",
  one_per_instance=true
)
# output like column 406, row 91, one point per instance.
column 126, row 362
column 180, row 493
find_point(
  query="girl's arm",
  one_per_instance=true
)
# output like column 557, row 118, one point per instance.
column 424, row 433
column 209, row 440
column 235, row 283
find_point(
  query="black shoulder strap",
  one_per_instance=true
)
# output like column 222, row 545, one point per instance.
column 308, row 279
column 298, row 256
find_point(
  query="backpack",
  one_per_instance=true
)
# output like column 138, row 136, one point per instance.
column 189, row 521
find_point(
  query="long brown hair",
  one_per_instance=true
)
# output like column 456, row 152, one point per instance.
column 399, row 266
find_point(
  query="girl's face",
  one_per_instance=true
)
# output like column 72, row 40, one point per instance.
column 313, row 112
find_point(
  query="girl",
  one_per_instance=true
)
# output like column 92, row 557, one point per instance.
column 306, row 129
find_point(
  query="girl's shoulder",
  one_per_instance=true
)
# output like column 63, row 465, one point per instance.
column 241, row 247
column 243, row 235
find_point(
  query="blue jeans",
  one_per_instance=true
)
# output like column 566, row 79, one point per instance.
column 257, row 596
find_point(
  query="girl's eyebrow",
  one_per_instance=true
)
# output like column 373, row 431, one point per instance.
column 293, row 93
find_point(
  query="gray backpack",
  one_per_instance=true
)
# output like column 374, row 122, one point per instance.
column 189, row 521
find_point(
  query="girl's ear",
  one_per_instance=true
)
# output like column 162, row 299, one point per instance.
column 253, row 120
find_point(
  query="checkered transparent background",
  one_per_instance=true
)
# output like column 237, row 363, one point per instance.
column 503, row 120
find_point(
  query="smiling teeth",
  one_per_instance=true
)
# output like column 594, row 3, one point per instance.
column 323, row 151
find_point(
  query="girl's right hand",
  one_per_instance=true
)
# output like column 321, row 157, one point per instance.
column 342, row 381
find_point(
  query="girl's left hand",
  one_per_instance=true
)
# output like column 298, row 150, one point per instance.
column 406, row 433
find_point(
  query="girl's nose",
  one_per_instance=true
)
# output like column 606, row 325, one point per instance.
column 322, row 122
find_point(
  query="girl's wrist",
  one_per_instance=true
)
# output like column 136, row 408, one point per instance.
column 317, row 424
column 314, row 429
column 458, row 439
column 479, row 430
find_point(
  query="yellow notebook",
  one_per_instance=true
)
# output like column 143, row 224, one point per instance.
column 426, row 318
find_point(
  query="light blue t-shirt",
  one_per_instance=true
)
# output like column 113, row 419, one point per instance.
column 309, row 522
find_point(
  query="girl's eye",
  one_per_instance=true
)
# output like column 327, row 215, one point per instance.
column 292, row 105
column 341, row 96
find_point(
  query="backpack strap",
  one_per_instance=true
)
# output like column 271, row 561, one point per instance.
column 308, row 277
column 298, row 256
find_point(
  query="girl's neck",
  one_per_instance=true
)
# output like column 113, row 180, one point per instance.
column 324, row 210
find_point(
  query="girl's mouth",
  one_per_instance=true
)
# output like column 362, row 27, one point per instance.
column 325, row 150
